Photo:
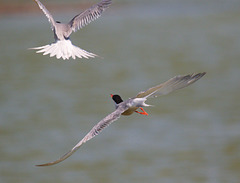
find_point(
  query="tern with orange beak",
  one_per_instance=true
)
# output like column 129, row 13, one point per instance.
column 63, row 47
column 131, row 105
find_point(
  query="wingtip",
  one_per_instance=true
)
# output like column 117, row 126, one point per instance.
column 53, row 162
column 36, row 1
column 191, row 78
column 201, row 74
column 41, row 165
column 45, row 164
column 195, row 75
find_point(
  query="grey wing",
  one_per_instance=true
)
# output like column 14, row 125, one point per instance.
column 89, row 15
column 47, row 13
column 171, row 85
column 93, row 132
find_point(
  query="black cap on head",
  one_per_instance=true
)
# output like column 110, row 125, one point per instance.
column 117, row 99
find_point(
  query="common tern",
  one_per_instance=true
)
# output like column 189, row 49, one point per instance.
column 130, row 106
column 63, row 47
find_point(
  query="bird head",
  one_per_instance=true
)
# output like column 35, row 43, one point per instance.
column 117, row 99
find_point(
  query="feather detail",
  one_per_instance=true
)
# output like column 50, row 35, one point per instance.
column 47, row 13
column 171, row 85
column 64, row 49
column 89, row 15
column 93, row 132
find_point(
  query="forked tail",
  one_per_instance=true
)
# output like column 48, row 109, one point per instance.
column 64, row 49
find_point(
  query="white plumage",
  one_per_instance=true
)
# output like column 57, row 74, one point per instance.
column 63, row 47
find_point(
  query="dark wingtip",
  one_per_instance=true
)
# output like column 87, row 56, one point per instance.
column 46, row 164
column 38, row 165
column 41, row 165
column 199, row 75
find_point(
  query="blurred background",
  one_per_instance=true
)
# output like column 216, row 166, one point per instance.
column 48, row 105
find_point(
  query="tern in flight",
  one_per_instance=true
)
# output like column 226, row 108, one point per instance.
column 131, row 105
column 63, row 47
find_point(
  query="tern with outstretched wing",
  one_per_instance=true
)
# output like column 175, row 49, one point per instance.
column 131, row 105
column 63, row 47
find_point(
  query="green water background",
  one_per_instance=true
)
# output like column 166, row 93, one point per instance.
column 48, row 105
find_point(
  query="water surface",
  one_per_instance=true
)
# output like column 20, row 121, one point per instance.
column 48, row 105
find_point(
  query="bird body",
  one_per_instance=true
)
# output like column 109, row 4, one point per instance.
column 133, row 103
column 130, row 106
column 129, row 111
column 63, row 47
column 62, row 31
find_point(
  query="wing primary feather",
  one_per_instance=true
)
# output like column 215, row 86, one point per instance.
column 171, row 85
column 89, row 15
column 93, row 132
column 47, row 13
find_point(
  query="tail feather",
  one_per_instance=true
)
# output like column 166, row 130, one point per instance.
column 64, row 49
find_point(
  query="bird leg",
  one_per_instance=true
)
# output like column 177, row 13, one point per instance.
column 143, row 113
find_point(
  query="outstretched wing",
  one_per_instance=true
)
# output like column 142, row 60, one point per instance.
column 171, row 85
column 47, row 13
column 94, row 131
column 89, row 15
